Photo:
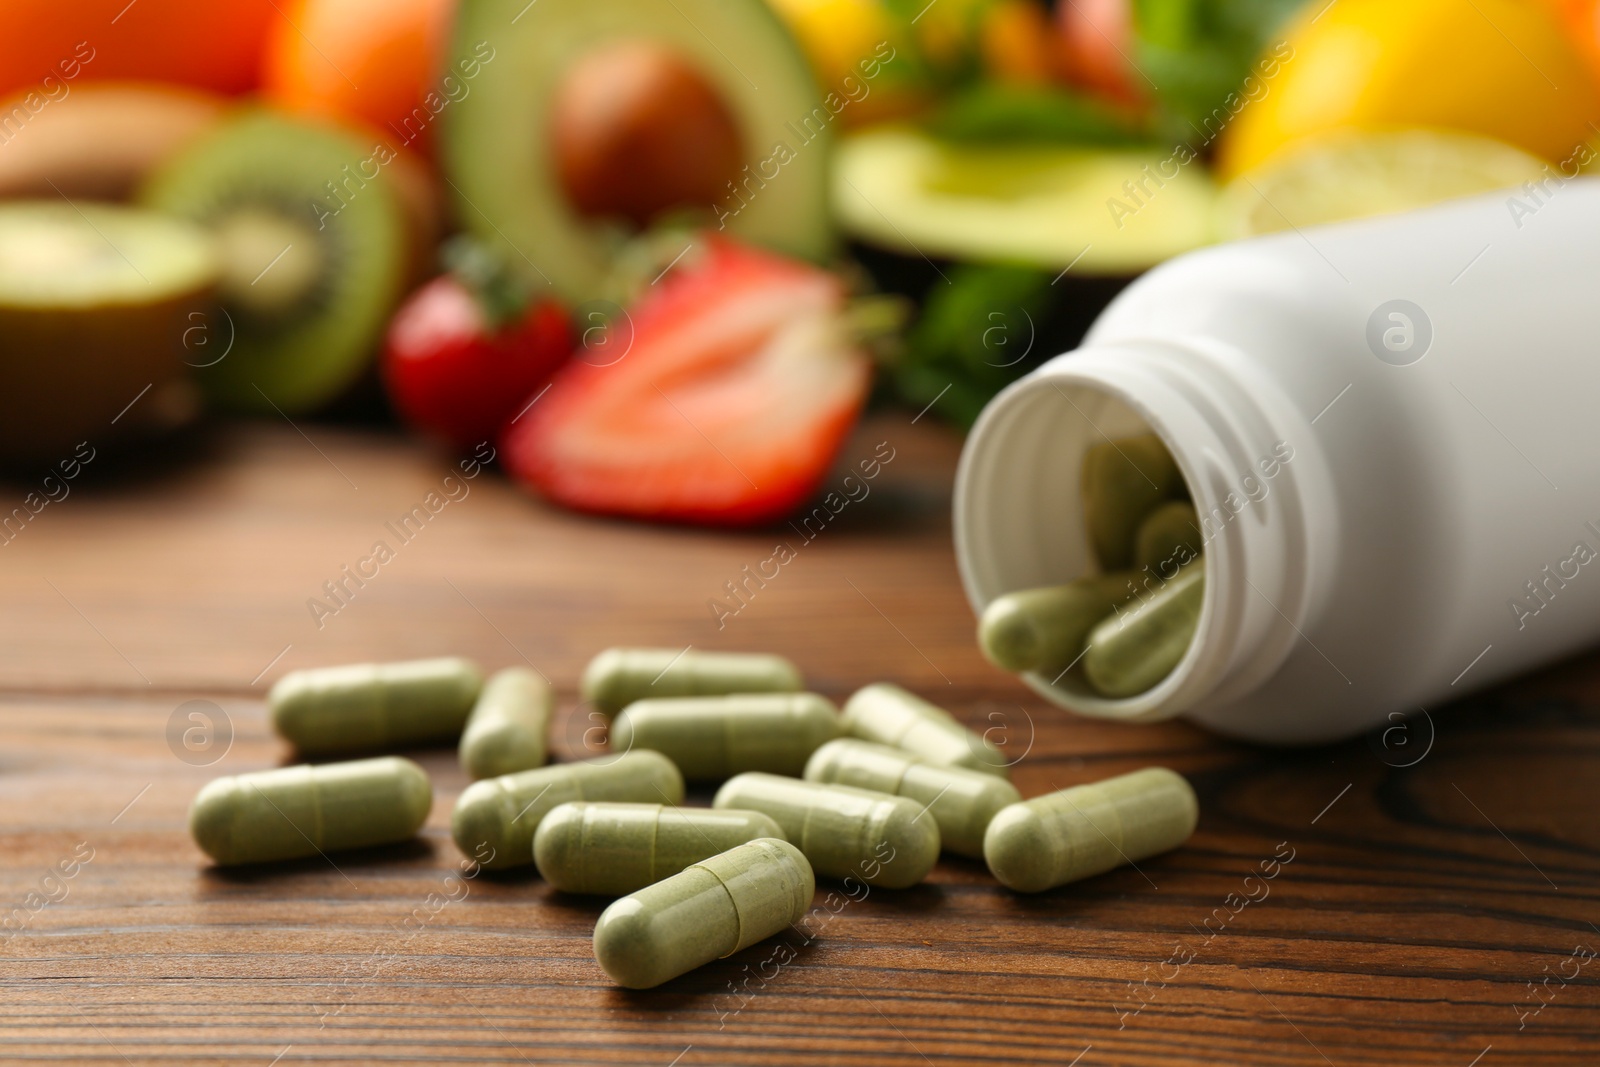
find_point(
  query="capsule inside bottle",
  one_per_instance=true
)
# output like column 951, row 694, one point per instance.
column 1115, row 634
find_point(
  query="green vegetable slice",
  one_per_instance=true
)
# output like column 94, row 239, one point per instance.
column 1100, row 212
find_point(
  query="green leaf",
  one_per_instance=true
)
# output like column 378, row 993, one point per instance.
column 1196, row 52
column 976, row 335
column 1018, row 114
column 500, row 291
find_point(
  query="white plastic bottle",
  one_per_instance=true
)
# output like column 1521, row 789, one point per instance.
column 1391, row 431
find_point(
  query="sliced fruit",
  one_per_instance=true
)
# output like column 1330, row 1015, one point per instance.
column 458, row 367
column 1350, row 175
column 104, row 143
column 738, row 388
column 313, row 253
column 380, row 62
column 1100, row 211
column 1501, row 68
column 213, row 46
column 377, row 65
column 94, row 304
column 498, row 142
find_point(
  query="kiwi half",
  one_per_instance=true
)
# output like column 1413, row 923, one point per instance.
column 103, row 144
column 312, row 244
column 95, row 301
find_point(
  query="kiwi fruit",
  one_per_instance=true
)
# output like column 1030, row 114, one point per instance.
column 104, row 142
column 95, row 303
column 312, row 245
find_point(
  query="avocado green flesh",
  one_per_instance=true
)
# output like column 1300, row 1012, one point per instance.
column 1099, row 211
column 315, row 247
column 497, row 144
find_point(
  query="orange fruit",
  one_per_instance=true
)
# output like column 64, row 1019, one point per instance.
column 215, row 45
column 374, row 61
column 1501, row 68
column 1582, row 20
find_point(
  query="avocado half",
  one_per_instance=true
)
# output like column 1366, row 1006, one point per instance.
column 497, row 147
column 97, row 306
column 1102, row 212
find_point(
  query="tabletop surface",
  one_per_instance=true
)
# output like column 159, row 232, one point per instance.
column 1428, row 895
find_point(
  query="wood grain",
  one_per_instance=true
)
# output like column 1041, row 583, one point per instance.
column 1419, row 904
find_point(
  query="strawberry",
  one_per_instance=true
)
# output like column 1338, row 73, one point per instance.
column 728, row 407
column 464, row 354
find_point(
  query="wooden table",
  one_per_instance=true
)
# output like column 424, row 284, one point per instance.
column 1437, row 913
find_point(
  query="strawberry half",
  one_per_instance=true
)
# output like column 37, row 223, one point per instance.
column 728, row 407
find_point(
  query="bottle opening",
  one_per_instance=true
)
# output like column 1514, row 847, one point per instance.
column 1064, row 485
column 1021, row 521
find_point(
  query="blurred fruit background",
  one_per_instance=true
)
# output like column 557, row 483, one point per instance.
column 605, row 234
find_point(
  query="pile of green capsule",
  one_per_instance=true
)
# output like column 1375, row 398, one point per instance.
column 1124, row 629
column 871, row 792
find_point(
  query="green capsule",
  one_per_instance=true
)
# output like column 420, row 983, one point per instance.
column 711, row 738
column 1045, row 629
column 293, row 812
column 1122, row 482
column 707, row 912
column 500, row 815
column 615, row 849
column 619, row 676
column 1132, row 650
column 891, row 716
column 1089, row 829
column 1169, row 537
column 506, row 730
column 845, row 832
column 961, row 801
column 369, row 706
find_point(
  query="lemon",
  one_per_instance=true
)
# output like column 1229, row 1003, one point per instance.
column 1351, row 174
column 1501, row 68
column 1101, row 212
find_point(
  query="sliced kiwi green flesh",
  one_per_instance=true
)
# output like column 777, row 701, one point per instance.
column 95, row 304
column 312, row 242
column 498, row 148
